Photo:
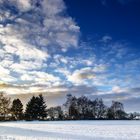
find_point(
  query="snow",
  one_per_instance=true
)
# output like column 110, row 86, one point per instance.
column 70, row 130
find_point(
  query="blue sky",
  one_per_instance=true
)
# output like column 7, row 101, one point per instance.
column 55, row 47
column 99, row 17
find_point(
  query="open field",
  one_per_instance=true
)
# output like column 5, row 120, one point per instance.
column 70, row 130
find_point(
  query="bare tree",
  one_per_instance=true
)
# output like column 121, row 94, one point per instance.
column 4, row 106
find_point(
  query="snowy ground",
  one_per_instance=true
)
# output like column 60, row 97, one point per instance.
column 70, row 130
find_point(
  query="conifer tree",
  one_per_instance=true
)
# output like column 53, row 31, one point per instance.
column 36, row 108
column 17, row 109
column 42, row 107
column 31, row 109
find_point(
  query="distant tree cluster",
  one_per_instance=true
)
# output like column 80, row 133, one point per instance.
column 74, row 108
column 84, row 108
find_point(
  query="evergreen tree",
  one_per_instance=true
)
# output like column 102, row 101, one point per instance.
column 110, row 114
column 31, row 111
column 42, row 113
column 17, row 109
column 36, row 108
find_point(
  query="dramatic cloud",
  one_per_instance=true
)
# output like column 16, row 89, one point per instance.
column 30, row 32
column 41, row 52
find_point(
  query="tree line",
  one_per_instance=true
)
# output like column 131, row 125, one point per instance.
column 75, row 108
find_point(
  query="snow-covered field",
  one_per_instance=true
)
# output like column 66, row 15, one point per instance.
column 70, row 130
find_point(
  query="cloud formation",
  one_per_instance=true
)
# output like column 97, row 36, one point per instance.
column 40, row 52
column 86, row 75
column 31, row 31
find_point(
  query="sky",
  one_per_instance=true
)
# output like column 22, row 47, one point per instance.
column 82, row 47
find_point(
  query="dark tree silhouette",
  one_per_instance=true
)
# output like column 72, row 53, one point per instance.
column 41, row 107
column 75, row 108
column 17, row 109
column 84, row 108
column 36, row 108
column 31, row 111
column 110, row 114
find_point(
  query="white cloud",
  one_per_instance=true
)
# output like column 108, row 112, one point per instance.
column 44, row 25
column 79, row 76
column 4, row 71
column 63, row 71
column 24, row 5
column 26, row 77
column 29, row 36
column 5, row 76
column 116, row 89
column 88, row 75
column 14, row 45
column 40, row 78
column 88, row 62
